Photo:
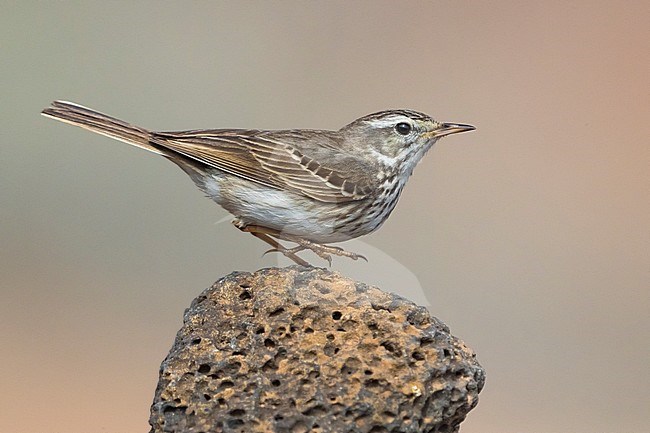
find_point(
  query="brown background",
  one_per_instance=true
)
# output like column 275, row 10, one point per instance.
column 528, row 237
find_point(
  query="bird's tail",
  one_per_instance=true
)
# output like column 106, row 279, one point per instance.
column 100, row 123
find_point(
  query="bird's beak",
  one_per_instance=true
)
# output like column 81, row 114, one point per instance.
column 448, row 129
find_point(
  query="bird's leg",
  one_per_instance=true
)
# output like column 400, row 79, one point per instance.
column 323, row 251
column 265, row 234
column 277, row 247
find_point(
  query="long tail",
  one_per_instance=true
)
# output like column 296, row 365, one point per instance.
column 102, row 124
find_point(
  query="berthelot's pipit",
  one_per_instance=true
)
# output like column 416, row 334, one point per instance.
column 309, row 187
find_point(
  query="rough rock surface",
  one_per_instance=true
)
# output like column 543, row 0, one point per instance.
column 305, row 349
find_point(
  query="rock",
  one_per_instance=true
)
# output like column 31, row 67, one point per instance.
column 307, row 350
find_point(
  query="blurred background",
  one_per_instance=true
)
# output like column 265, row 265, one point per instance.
column 529, row 237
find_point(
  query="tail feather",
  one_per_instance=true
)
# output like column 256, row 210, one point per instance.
column 95, row 121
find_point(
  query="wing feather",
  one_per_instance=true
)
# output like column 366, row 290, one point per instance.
column 267, row 160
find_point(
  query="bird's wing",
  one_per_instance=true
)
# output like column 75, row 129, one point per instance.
column 278, row 159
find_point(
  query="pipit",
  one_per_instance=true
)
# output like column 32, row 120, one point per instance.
column 308, row 187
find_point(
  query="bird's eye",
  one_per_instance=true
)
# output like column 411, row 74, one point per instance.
column 403, row 128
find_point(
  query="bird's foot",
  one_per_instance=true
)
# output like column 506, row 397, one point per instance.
column 325, row 252
column 268, row 235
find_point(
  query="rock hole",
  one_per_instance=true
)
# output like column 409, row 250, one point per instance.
column 336, row 315
column 204, row 369
column 174, row 409
column 269, row 366
column 269, row 343
column 207, row 397
column 225, row 385
column 245, row 295
column 391, row 347
column 276, row 312
column 237, row 412
column 330, row 349
column 196, row 341
column 372, row 383
column 281, row 354
column 317, row 410
column 234, row 423
column 259, row 330
column 418, row 356
column 275, row 382
column 309, row 330
column 361, row 417
column 330, row 337
column 446, row 353
column 232, row 368
column 350, row 366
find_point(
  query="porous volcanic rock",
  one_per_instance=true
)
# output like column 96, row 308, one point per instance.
column 307, row 350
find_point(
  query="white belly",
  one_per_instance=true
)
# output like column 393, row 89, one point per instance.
column 280, row 210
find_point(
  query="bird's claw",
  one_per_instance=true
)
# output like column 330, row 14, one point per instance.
column 289, row 253
column 269, row 236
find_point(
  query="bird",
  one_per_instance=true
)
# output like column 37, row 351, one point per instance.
column 311, row 188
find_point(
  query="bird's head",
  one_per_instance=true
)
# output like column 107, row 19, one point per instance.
column 398, row 138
